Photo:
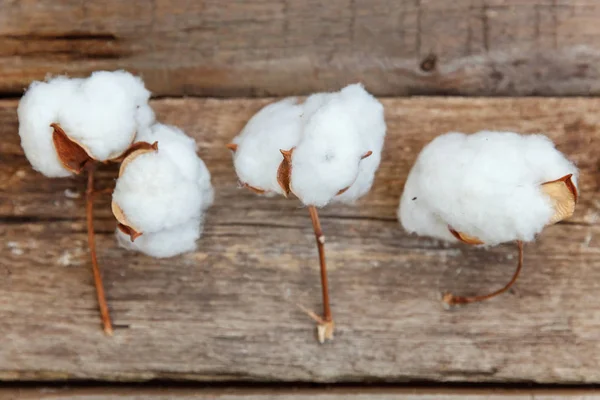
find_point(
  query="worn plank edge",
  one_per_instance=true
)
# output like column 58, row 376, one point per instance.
column 293, row 393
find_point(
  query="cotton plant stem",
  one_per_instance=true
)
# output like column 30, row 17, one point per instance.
column 314, row 216
column 107, row 325
column 451, row 299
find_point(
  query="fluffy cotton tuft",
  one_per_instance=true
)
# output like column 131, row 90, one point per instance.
column 101, row 113
column 165, row 243
column 347, row 126
column 276, row 126
column 329, row 134
column 39, row 108
column 486, row 185
column 164, row 193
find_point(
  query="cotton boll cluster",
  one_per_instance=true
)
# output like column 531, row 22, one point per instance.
column 489, row 187
column 162, row 193
column 330, row 147
column 100, row 114
column 68, row 126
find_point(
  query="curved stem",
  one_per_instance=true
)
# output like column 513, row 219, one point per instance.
column 451, row 299
column 92, row 244
column 314, row 216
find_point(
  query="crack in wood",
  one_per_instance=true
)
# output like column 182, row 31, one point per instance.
column 63, row 36
column 76, row 46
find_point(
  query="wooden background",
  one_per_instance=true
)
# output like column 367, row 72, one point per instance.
column 354, row 393
column 279, row 47
column 228, row 312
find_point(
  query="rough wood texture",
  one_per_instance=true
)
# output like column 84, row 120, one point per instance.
column 280, row 47
column 228, row 311
column 358, row 393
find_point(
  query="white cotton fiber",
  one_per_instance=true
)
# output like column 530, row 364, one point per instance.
column 329, row 134
column 328, row 158
column 276, row 126
column 39, row 108
column 162, row 191
column 486, row 185
column 101, row 113
column 166, row 243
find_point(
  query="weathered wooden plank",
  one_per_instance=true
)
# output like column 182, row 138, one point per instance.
column 289, row 394
column 228, row 311
column 356, row 393
column 280, row 47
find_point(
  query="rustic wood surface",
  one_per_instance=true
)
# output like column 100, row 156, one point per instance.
column 357, row 393
column 279, row 47
column 228, row 311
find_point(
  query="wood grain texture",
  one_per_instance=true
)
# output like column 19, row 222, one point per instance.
column 357, row 393
column 281, row 47
column 228, row 311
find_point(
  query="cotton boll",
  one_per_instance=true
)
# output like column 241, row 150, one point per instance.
column 101, row 114
column 486, row 185
column 154, row 195
column 313, row 150
column 181, row 150
column 370, row 120
column 276, row 126
column 328, row 136
column 39, row 108
column 345, row 127
column 162, row 189
column 327, row 158
column 166, row 243
column 105, row 112
column 162, row 194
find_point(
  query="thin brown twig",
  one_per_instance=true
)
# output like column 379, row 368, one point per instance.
column 314, row 216
column 311, row 314
column 451, row 299
column 92, row 244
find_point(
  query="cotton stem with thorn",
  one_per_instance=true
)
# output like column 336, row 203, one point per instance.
column 106, row 322
column 451, row 299
column 325, row 324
